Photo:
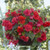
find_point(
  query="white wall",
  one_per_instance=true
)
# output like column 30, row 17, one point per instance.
column 2, row 5
column 47, row 3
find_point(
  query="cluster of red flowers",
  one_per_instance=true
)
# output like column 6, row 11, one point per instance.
column 42, row 38
column 8, row 25
column 26, row 21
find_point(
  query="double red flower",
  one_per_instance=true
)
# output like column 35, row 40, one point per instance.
column 27, row 12
column 15, row 20
column 46, row 24
column 19, row 29
column 14, row 14
column 25, row 39
column 7, row 14
column 28, row 27
column 21, row 19
column 8, row 25
column 8, row 36
column 36, row 16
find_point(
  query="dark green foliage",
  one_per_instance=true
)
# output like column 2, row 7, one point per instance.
column 31, row 35
column 1, row 31
column 34, row 48
column 8, row 0
column 35, row 43
column 0, row 22
column 24, row 48
column 14, row 27
column 45, row 11
column 10, row 19
column 37, row 3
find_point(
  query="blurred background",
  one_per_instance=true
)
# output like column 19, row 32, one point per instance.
column 5, row 5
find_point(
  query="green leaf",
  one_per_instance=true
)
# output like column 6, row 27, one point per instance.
column 10, row 32
column 14, row 27
column 9, row 18
column 11, row 0
column 41, row 27
column 34, row 27
column 31, row 20
column 48, row 27
column 35, row 43
column 23, row 33
column 0, row 22
column 30, row 34
column 38, row 35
